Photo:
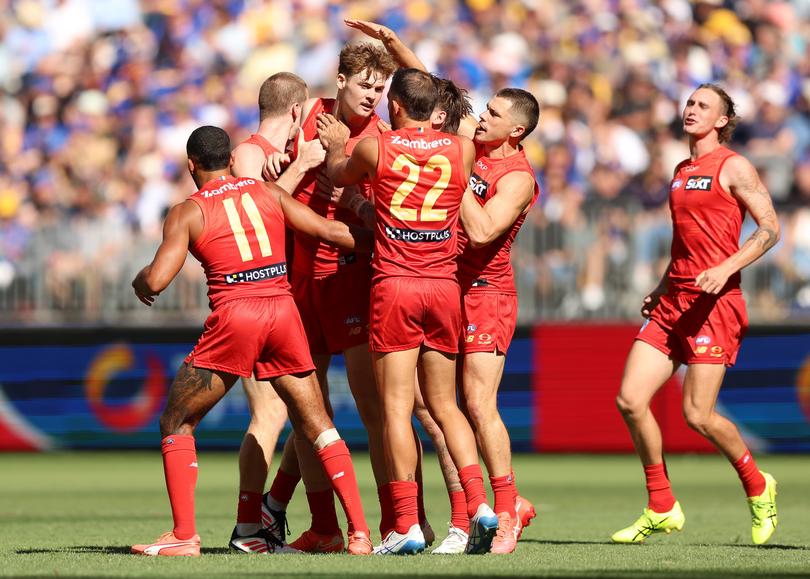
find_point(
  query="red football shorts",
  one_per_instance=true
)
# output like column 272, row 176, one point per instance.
column 334, row 308
column 407, row 312
column 489, row 321
column 698, row 328
column 261, row 336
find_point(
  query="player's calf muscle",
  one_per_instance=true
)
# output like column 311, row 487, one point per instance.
column 191, row 396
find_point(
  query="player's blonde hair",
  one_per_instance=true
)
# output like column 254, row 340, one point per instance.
column 724, row 134
column 279, row 92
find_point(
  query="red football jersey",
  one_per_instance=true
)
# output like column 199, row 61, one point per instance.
column 241, row 247
column 490, row 267
column 312, row 256
column 706, row 220
column 266, row 146
column 417, row 196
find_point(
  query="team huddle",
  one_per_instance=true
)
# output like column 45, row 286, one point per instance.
column 328, row 232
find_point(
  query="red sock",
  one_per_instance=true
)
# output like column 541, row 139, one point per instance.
column 752, row 480
column 458, row 511
column 659, row 490
column 180, row 468
column 403, row 493
column 472, row 479
column 283, row 486
column 337, row 463
column 322, row 508
column 504, row 498
column 388, row 518
column 514, row 487
column 249, row 509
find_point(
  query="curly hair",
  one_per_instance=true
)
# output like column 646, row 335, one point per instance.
column 355, row 58
column 724, row 134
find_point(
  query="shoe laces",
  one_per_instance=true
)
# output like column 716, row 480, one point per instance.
column 646, row 526
column 271, row 538
column 504, row 530
column 280, row 524
column 761, row 510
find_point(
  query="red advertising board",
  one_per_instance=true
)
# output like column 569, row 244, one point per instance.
column 577, row 372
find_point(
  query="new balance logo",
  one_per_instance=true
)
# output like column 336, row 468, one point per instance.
column 338, row 475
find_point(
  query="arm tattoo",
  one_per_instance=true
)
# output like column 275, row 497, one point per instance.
column 765, row 237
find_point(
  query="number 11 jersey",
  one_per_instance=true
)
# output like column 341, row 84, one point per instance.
column 417, row 196
column 241, row 247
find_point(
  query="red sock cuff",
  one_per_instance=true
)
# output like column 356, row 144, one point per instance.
column 177, row 442
column 335, row 449
column 469, row 472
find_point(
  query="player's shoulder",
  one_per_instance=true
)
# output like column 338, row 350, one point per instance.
column 738, row 171
column 316, row 105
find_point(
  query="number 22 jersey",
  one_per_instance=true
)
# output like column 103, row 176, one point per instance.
column 417, row 195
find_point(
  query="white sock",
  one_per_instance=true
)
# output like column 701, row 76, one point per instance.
column 274, row 505
column 245, row 529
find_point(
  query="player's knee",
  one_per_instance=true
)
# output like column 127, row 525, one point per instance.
column 629, row 407
column 697, row 420
column 479, row 412
column 270, row 418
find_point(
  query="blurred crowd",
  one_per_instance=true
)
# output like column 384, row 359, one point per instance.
column 99, row 96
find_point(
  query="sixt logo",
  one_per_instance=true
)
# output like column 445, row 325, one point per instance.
column 698, row 183
column 478, row 186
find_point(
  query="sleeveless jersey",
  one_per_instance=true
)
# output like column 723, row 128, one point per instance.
column 312, row 256
column 257, row 139
column 241, row 247
column 706, row 220
column 417, row 196
column 489, row 268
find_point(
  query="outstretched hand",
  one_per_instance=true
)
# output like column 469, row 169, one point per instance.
column 372, row 29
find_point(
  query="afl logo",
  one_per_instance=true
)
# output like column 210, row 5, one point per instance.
column 676, row 183
column 142, row 407
column 803, row 388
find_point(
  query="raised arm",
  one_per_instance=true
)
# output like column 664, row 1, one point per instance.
column 740, row 178
column 303, row 219
column 405, row 57
column 171, row 255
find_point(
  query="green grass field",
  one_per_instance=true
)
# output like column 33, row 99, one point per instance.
column 76, row 514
